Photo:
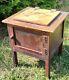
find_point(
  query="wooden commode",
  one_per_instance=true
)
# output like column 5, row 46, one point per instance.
column 36, row 32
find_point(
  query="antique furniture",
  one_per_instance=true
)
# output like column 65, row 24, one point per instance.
column 36, row 32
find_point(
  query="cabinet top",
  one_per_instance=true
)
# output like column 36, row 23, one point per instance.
column 36, row 18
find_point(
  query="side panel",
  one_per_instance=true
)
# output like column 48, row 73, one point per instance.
column 56, row 39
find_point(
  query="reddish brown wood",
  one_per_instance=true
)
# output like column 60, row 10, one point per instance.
column 47, row 54
column 30, row 52
column 50, row 28
column 47, row 67
column 36, row 40
column 12, row 43
column 28, row 39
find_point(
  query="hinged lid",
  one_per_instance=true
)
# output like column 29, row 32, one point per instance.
column 37, row 16
column 36, row 19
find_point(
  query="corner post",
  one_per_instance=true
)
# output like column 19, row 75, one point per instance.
column 12, row 43
column 46, row 47
column 61, row 45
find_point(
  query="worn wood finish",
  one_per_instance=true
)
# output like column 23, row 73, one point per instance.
column 50, row 28
column 61, row 45
column 28, row 40
column 40, row 41
column 12, row 44
column 37, row 16
column 56, row 39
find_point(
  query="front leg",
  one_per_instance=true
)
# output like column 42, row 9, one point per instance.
column 15, row 60
column 47, row 68
column 60, row 49
column 47, row 64
column 47, row 54
column 12, row 43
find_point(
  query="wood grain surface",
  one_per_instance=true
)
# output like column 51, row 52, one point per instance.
column 37, row 16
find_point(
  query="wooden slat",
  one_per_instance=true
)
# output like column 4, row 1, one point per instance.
column 24, row 48
column 29, row 52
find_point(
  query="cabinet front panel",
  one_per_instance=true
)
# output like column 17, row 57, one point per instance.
column 29, row 40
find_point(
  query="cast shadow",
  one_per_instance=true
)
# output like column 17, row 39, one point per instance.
column 60, row 64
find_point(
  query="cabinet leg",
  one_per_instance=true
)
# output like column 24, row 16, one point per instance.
column 59, row 56
column 60, row 49
column 15, row 60
column 47, row 68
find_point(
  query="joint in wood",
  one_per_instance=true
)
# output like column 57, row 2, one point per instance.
column 11, row 37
